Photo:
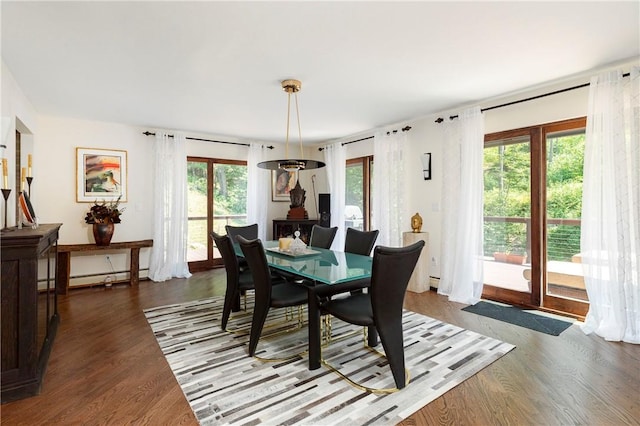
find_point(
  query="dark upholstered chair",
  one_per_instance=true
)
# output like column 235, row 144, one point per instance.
column 322, row 237
column 267, row 295
column 382, row 305
column 360, row 242
column 250, row 232
column 237, row 282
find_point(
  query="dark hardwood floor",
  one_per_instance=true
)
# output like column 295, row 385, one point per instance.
column 107, row 369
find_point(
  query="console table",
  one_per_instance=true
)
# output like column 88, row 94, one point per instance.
column 29, row 307
column 286, row 228
column 64, row 260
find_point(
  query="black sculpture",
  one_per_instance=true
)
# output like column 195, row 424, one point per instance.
column 296, row 208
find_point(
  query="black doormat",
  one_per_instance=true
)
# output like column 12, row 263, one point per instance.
column 519, row 317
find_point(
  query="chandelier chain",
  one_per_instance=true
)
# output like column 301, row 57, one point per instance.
column 299, row 128
column 286, row 141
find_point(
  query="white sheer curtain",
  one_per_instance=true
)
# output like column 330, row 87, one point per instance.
column 335, row 157
column 462, row 212
column 610, row 238
column 389, row 183
column 258, row 189
column 169, row 252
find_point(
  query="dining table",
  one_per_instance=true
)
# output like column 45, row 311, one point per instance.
column 325, row 273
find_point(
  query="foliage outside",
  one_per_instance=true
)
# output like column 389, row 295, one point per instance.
column 507, row 189
column 229, row 199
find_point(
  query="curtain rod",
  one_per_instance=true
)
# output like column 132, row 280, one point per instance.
column 404, row 129
column 580, row 86
column 205, row 140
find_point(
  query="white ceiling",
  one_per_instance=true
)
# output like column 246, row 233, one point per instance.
column 215, row 67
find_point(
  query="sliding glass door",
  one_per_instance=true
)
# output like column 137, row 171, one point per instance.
column 564, row 288
column 507, row 218
column 217, row 197
column 533, row 203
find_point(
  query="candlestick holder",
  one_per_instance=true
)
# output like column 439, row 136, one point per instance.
column 5, row 194
column 29, row 180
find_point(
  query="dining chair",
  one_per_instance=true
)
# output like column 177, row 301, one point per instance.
column 360, row 242
column 382, row 306
column 322, row 237
column 250, row 232
column 356, row 242
column 267, row 295
column 238, row 282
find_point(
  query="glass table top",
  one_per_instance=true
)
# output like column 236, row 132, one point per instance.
column 324, row 266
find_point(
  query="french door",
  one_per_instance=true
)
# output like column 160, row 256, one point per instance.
column 533, row 196
column 511, row 212
column 563, row 161
column 358, row 193
column 217, row 196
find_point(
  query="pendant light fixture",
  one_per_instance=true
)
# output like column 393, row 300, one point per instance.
column 291, row 164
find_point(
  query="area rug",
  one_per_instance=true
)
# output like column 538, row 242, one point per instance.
column 225, row 386
column 516, row 316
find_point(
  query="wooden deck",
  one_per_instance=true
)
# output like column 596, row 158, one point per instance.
column 506, row 275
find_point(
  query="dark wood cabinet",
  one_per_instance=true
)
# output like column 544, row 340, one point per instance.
column 29, row 312
column 286, row 228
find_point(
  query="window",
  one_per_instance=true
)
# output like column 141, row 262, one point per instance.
column 358, row 193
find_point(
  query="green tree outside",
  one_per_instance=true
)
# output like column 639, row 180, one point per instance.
column 507, row 189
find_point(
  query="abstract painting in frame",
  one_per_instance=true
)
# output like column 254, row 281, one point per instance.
column 101, row 175
column 282, row 182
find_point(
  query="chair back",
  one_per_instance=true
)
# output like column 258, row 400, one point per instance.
column 390, row 274
column 322, row 237
column 257, row 260
column 229, row 258
column 250, row 232
column 360, row 242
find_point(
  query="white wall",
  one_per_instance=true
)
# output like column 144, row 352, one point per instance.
column 54, row 169
column 17, row 113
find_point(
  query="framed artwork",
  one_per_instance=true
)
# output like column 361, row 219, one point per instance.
column 101, row 174
column 282, row 182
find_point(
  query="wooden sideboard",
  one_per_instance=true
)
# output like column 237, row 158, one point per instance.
column 29, row 315
column 286, row 227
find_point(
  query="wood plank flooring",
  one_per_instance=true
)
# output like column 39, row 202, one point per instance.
column 107, row 369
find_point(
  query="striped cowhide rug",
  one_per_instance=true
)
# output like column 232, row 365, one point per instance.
column 225, row 386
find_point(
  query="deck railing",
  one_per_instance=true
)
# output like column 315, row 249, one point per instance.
column 236, row 218
column 513, row 234
column 198, row 225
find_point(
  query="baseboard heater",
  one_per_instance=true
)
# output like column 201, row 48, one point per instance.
column 434, row 282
